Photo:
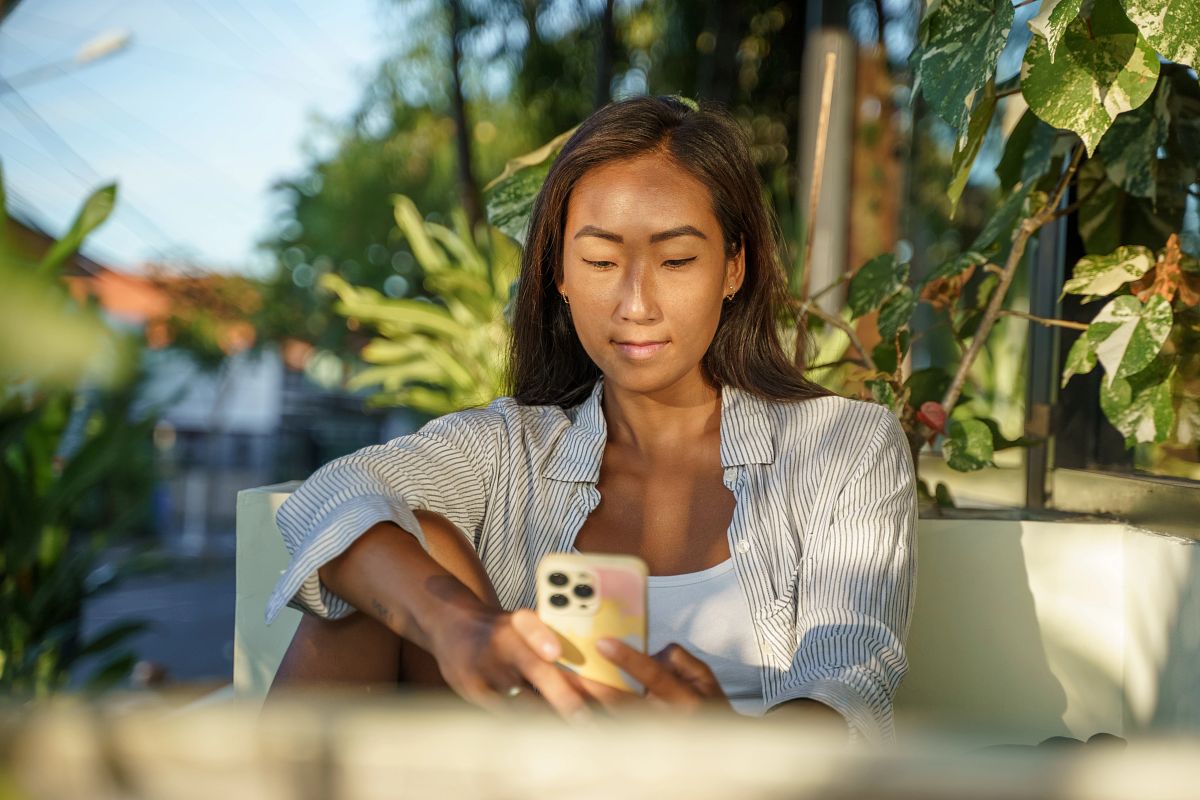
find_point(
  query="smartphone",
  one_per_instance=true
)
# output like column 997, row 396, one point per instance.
column 585, row 597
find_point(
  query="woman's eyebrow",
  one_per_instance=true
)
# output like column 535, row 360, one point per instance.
column 661, row 236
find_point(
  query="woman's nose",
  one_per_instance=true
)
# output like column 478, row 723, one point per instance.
column 638, row 302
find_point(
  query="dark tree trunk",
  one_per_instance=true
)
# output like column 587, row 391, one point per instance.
column 717, row 79
column 468, row 190
column 604, row 60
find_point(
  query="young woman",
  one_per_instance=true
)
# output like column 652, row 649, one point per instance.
column 653, row 412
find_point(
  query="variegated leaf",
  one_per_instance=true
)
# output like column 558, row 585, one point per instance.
column 1052, row 20
column 968, row 143
column 960, row 41
column 1081, row 359
column 1130, row 148
column 1102, row 68
column 509, row 197
column 1141, row 406
column 968, row 446
column 896, row 313
column 1103, row 275
column 882, row 393
column 1128, row 334
column 1172, row 27
column 874, row 282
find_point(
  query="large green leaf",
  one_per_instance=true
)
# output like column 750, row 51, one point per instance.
column 1102, row 68
column 1027, row 153
column 509, row 197
column 960, row 41
column 1128, row 334
column 1141, row 406
column 94, row 211
column 1102, row 275
column 968, row 143
column 1052, row 20
column 874, row 282
column 1172, row 27
column 1130, row 147
column 969, row 445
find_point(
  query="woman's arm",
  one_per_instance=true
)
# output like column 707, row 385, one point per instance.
column 481, row 650
column 857, row 587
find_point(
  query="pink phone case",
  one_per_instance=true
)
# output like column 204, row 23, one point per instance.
column 584, row 597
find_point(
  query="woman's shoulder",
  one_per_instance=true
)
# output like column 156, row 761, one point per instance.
column 504, row 419
column 833, row 427
column 833, row 415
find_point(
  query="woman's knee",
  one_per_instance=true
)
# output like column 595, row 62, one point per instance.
column 359, row 650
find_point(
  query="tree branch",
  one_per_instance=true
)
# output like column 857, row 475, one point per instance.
column 840, row 323
column 1028, row 227
column 1061, row 323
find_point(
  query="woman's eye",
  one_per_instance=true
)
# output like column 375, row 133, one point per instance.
column 678, row 262
column 600, row 264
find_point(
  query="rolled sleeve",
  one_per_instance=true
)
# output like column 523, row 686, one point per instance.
column 449, row 467
column 857, row 583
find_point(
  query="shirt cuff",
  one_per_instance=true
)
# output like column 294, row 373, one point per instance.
column 862, row 723
column 300, row 585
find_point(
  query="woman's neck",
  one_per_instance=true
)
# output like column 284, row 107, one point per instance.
column 652, row 425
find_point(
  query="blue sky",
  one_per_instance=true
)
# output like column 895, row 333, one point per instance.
column 211, row 102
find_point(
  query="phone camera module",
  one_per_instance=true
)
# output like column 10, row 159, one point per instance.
column 558, row 579
column 559, row 600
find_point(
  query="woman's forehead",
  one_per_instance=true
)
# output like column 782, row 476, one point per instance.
column 640, row 197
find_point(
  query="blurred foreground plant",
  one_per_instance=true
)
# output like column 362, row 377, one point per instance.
column 70, row 445
column 437, row 357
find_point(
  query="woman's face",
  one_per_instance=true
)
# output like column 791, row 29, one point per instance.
column 645, row 272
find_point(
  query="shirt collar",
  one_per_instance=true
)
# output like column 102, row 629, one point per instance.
column 745, row 436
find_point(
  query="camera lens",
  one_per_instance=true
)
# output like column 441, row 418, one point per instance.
column 558, row 600
column 583, row 590
column 558, row 579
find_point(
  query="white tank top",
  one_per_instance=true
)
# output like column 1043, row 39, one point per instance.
column 707, row 613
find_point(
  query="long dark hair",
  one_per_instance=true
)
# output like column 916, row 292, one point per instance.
column 548, row 365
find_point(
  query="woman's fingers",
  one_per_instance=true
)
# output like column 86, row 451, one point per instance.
column 656, row 676
column 690, row 669
column 540, row 638
column 551, row 682
column 610, row 698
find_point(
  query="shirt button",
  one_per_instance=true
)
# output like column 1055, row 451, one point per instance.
column 743, row 545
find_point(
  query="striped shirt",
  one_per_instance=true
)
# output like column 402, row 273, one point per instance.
column 823, row 535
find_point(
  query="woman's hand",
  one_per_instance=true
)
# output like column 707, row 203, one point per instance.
column 673, row 677
column 484, row 653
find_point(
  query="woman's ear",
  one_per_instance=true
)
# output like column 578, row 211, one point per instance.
column 735, row 268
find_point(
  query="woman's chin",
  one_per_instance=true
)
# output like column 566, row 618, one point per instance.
column 645, row 378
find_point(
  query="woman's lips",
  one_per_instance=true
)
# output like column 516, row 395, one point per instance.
column 640, row 351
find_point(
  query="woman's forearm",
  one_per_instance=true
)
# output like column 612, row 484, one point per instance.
column 388, row 575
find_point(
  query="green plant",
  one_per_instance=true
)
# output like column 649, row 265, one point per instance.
column 69, row 443
column 441, row 356
column 1142, row 146
column 1104, row 115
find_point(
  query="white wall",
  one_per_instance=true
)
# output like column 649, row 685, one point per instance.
column 1023, row 630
